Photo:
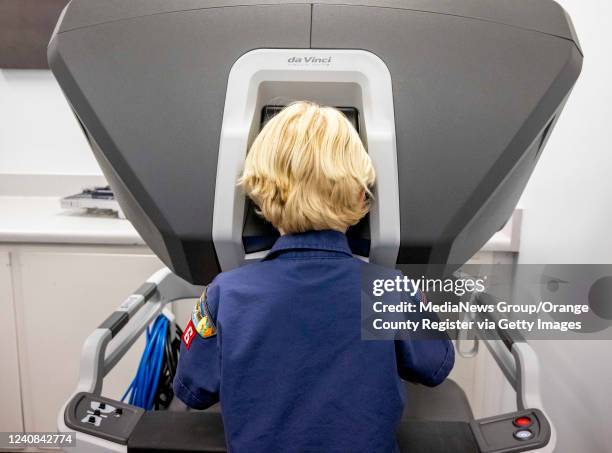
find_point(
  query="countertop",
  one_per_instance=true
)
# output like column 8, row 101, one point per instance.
column 42, row 220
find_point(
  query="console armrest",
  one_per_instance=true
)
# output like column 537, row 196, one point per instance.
column 514, row 432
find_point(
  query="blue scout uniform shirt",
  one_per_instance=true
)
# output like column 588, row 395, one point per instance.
column 279, row 344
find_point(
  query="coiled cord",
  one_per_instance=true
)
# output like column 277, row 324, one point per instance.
column 152, row 385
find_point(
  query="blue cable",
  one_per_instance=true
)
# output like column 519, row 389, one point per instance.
column 143, row 387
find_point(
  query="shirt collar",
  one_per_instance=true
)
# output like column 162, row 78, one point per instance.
column 328, row 240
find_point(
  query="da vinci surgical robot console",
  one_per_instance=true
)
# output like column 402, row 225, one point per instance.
column 454, row 100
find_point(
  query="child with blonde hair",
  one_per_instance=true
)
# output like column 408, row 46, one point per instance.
column 279, row 341
column 308, row 170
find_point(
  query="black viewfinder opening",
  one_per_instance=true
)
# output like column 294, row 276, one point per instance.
column 270, row 111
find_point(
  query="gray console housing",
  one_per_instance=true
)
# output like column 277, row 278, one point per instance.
column 477, row 88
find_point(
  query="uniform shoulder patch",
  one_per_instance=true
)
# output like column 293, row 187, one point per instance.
column 201, row 319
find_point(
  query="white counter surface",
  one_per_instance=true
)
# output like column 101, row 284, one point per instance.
column 42, row 220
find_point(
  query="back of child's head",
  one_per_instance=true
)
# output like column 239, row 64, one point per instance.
column 308, row 170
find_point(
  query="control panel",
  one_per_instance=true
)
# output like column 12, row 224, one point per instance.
column 513, row 432
column 102, row 417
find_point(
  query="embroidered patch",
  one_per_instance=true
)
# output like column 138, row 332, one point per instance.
column 201, row 319
column 189, row 334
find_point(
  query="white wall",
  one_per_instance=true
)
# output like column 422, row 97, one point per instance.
column 38, row 132
column 568, row 219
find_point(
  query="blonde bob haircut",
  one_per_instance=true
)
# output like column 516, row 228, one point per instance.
column 308, row 170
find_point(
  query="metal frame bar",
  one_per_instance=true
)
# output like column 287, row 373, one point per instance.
column 106, row 345
column 521, row 367
column 516, row 359
column 102, row 351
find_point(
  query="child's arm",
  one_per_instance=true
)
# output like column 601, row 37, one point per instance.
column 425, row 360
column 198, row 376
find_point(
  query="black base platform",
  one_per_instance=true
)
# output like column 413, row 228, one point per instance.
column 435, row 421
column 203, row 432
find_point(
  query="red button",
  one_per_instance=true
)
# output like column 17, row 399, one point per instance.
column 522, row 422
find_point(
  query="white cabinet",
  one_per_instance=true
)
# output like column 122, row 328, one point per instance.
column 11, row 418
column 62, row 293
